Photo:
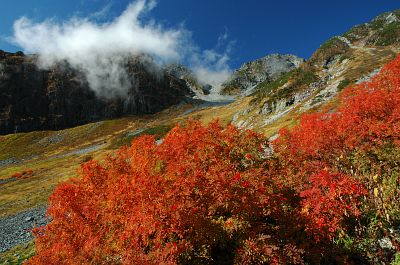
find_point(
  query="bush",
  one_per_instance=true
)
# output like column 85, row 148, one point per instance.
column 23, row 175
column 212, row 195
column 203, row 195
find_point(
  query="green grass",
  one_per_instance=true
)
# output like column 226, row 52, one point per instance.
column 344, row 83
column 329, row 43
column 304, row 77
column 23, row 145
column 377, row 23
column 268, row 86
column 357, row 32
column 159, row 131
column 19, row 145
column 383, row 34
column 396, row 260
column 274, row 91
column 390, row 34
column 34, row 191
column 18, row 254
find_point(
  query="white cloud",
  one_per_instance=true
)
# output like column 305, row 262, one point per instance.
column 223, row 38
column 98, row 49
column 211, row 67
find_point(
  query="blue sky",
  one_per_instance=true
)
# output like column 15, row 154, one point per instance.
column 255, row 28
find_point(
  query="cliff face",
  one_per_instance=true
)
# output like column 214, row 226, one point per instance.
column 35, row 99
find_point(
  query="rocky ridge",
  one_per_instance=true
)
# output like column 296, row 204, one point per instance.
column 343, row 60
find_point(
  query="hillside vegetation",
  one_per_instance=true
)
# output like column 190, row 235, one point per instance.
column 325, row 192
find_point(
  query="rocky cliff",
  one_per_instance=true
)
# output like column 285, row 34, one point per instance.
column 265, row 69
column 36, row 99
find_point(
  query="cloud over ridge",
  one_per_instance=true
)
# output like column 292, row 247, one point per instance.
column 99, row 49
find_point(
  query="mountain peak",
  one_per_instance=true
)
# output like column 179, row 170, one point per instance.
column 266, row 68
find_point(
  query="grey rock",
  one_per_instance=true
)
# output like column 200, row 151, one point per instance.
column 134, row 133
column 267, row 68
column 8, row 161
column 4, row 181
column 266, row 109
column 16, row 229
column 368, row 77
column 29, row 219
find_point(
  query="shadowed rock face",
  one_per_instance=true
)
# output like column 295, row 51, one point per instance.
column 35, row 99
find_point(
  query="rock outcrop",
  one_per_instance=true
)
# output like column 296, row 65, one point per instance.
column 253, row 73
column 36, row 99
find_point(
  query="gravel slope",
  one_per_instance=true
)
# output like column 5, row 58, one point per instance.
column 16, row 229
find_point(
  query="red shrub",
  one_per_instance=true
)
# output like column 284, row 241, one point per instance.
column 369, row 114
column 209, row 194
column 198, row 196
column 23, row 175
column 16, row 175
column 327, row 200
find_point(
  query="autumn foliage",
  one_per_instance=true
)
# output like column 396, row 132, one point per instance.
column 23, row 175
column 328, row 193
column 200, row 196
column 359, row 145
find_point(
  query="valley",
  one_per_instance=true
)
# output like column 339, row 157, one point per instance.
column 33, row 162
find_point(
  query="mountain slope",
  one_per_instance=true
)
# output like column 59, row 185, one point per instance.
column 265, row 69
column 54, row 156
column 339, row 62
column 60, row 97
